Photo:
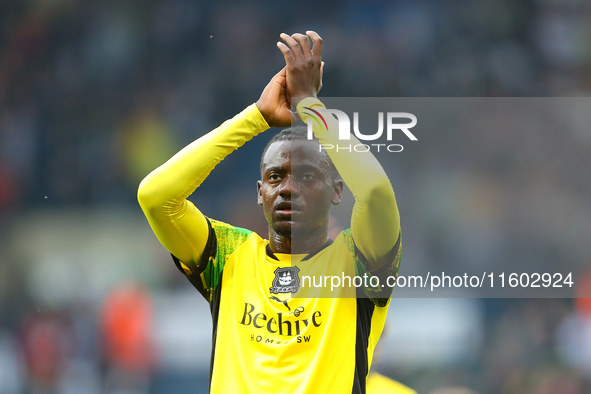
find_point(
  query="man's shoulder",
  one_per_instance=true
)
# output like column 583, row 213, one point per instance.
column 226, row 229
column 345, row 239
column 227, row 235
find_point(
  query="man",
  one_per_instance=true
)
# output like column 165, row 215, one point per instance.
column 269, row 335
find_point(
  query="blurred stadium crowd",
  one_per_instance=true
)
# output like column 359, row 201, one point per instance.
column 96, row 94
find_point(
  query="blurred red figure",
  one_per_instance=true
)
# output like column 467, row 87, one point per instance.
column 128, row 348
column 583, row 294
column 46, row 345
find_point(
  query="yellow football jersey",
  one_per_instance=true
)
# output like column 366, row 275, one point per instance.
column 269, row 335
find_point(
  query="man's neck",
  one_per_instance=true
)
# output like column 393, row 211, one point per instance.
column 297, row 244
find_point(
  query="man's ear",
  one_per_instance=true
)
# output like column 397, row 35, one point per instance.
column 337, row 191
column 259, row 193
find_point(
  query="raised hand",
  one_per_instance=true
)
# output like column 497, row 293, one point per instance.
column 304, row 64
column 301, row 77
column 273, row 103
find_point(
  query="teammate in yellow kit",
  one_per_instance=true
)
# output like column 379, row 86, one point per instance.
column 380, row 384
column 269, row 335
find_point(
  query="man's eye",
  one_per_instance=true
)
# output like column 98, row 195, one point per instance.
column 308, row 177
column 274, row 177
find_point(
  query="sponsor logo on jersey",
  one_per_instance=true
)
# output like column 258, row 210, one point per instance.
column 287, row 280
column 279, row 323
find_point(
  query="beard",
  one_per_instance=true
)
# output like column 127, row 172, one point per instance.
column 283, row 229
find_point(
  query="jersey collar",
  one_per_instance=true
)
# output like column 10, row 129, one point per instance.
column 309, row 256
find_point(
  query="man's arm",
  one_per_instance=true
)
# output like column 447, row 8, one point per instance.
column 177, row 223
column 375, row 222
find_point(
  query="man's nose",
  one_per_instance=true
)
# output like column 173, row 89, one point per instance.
column 289, row 186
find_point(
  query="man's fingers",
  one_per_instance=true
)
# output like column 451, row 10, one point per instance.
column 317, row 41
column 287, row 53
column 304, row 42
column 295, row 46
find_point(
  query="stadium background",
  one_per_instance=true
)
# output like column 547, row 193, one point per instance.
column 95, row 94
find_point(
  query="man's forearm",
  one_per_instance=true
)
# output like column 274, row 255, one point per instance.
column 375, row 221
column 180, row 226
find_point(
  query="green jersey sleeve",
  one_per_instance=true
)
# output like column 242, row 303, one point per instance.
column 378, row 295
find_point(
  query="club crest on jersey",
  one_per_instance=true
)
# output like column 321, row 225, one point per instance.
column 286, row 280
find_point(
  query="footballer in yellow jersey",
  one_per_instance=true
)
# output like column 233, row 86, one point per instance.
column 270, row 333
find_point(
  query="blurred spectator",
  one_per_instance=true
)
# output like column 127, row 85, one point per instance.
column 146, row 142
column 12, row 371
column 47, row 347
column 127, row 342
column 82, row 372
column 574, row 333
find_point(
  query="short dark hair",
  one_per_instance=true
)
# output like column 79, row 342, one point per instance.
column 300, row 133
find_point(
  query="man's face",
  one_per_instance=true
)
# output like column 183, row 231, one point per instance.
column 296, row 190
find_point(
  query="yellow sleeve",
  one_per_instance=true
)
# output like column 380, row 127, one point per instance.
column 379, row 384
column 162, row 195
column 375, row 221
